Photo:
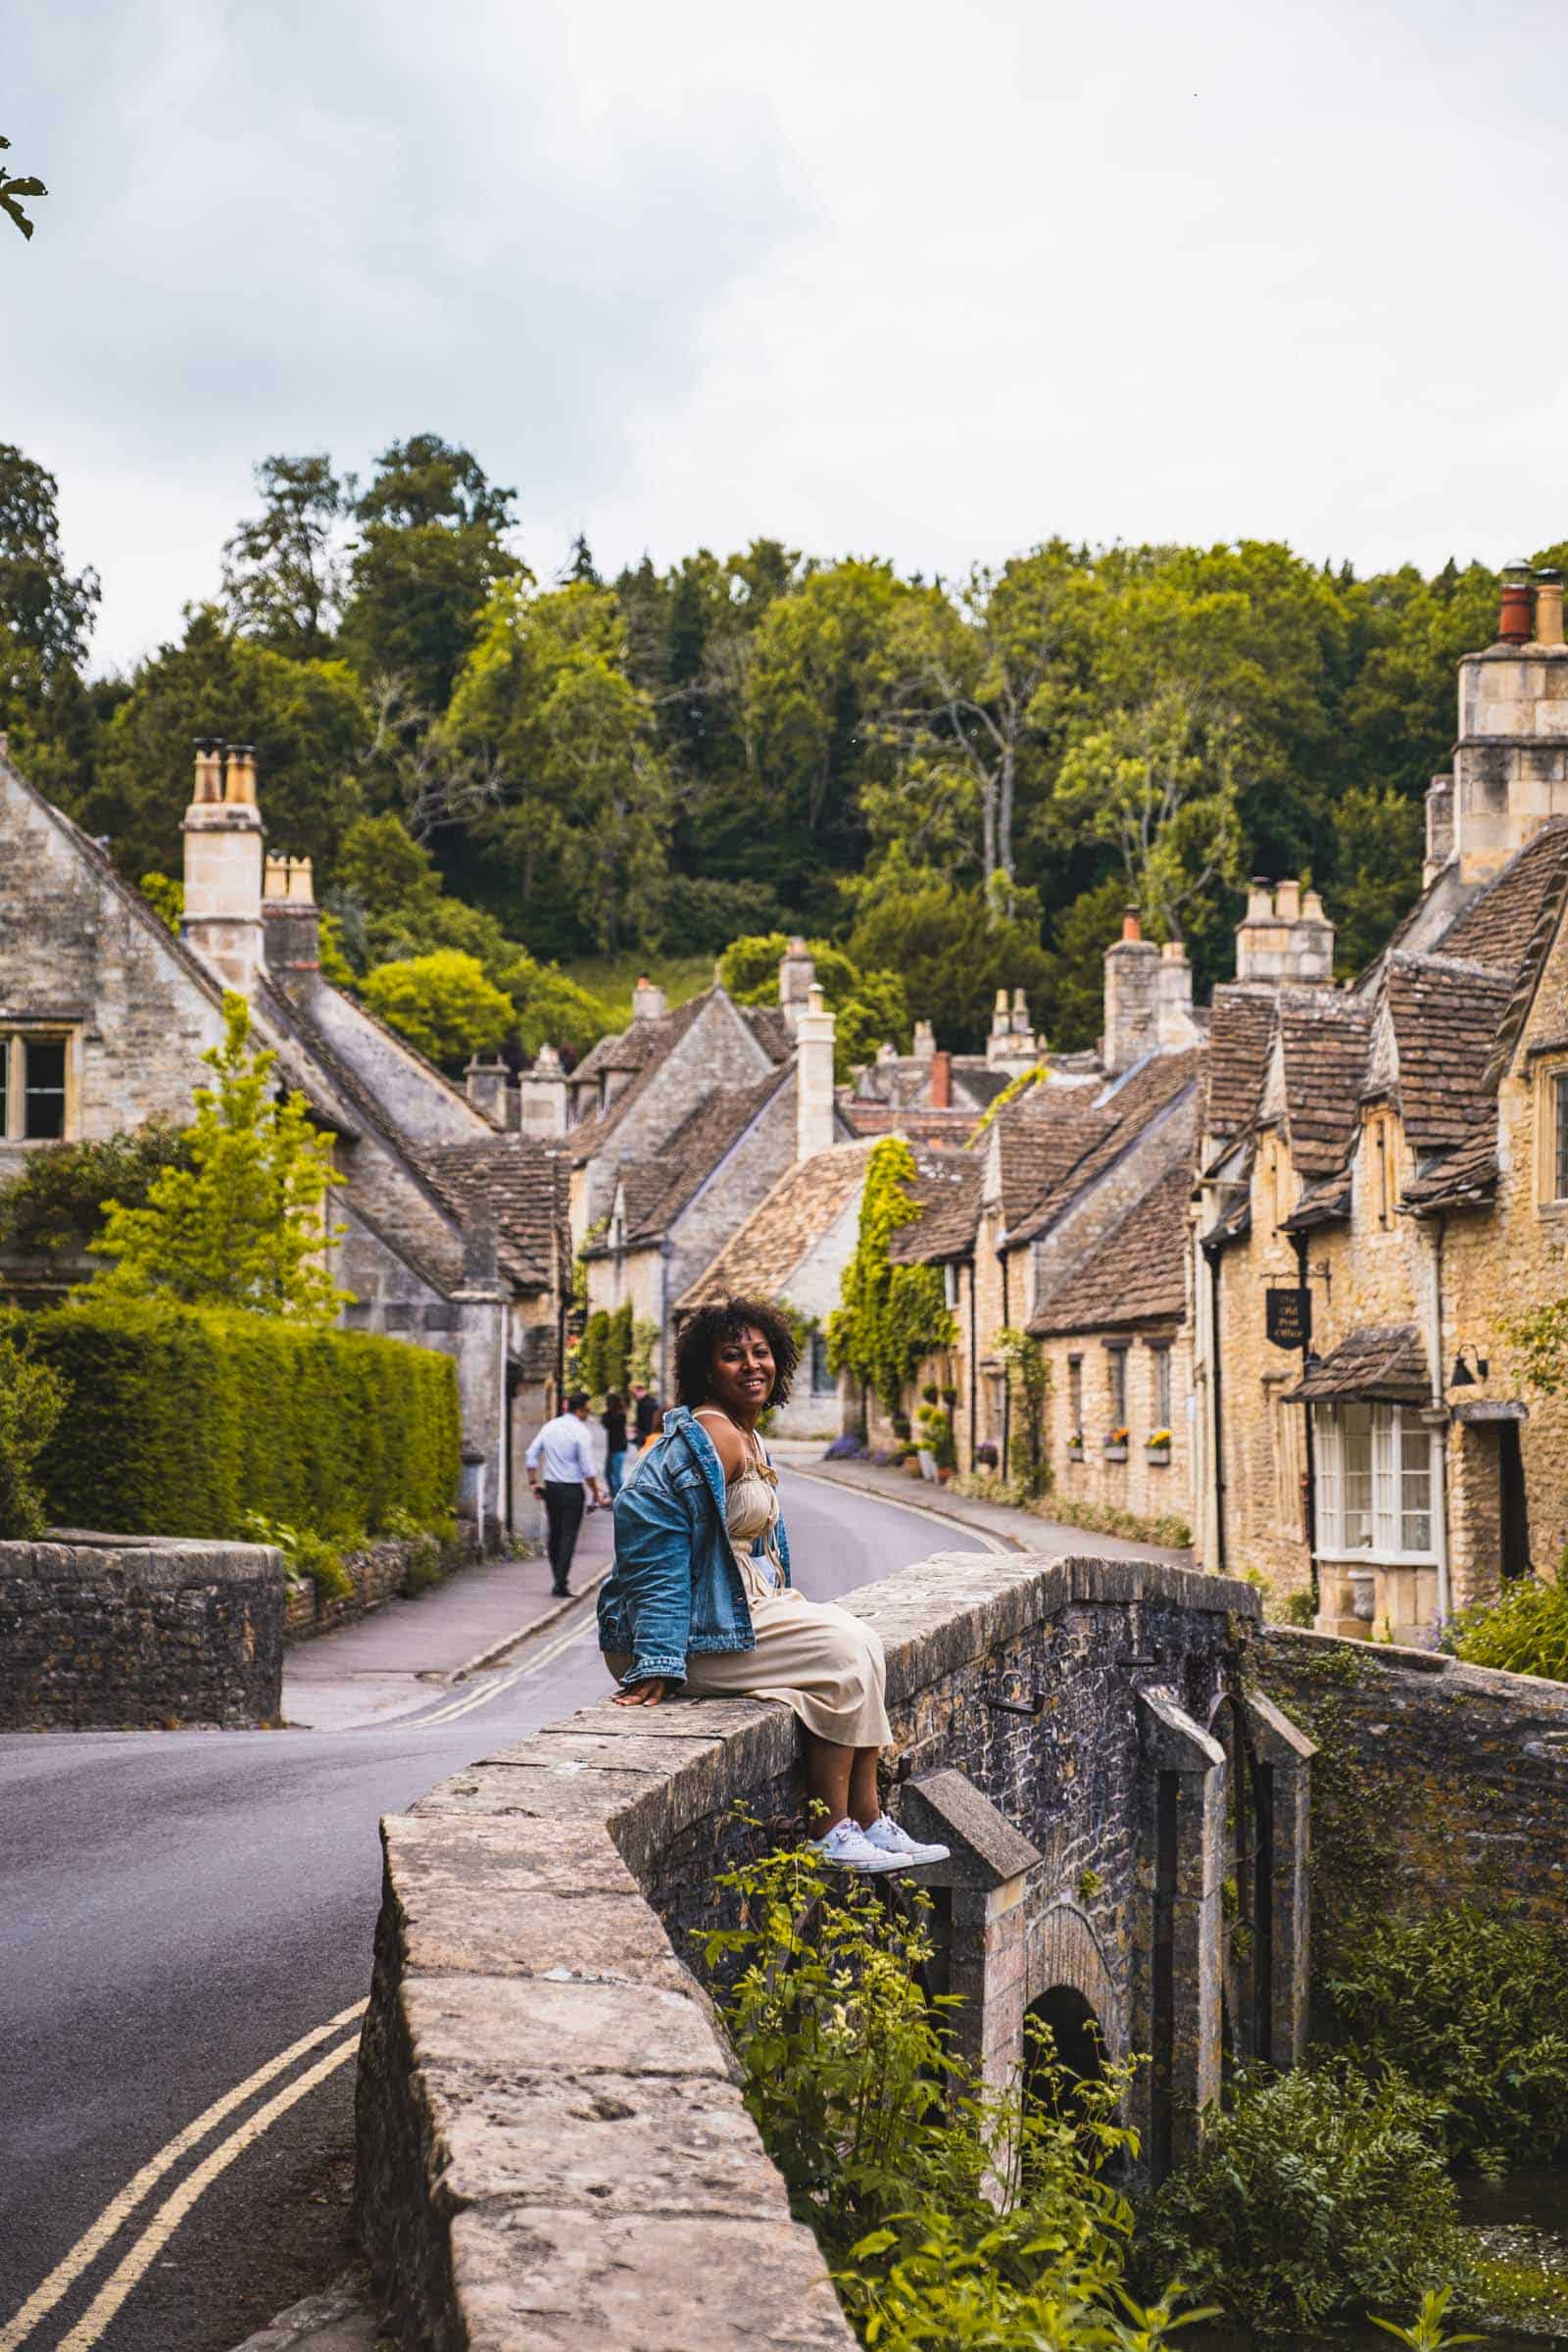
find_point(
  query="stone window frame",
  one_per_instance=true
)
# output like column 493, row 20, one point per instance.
column 1160, row 1382
column 15, row 1039
column 1383, row 1167
column 1116, row 1406
column 1075, row 1395
column 1392, row 1427
column 816, row 1348
column 1551, row 1134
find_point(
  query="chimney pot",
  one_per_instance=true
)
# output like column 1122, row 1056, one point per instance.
column 941, row 1080
column 239, row 777
column 1313, row 908
column 1516, row 619
column 1549, row 608
column 1288, row 901
column 1173, row 951
column 1259, row 900
column 1131, row 927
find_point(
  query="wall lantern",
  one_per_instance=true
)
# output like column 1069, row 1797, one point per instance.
column 1461, row 1377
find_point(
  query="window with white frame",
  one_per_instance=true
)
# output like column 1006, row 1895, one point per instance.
column 1374, row 1482
column 35, row 1085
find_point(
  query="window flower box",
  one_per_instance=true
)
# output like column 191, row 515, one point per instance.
column 1156, row 1445
column 1075, row 1449
column 1116, row 1447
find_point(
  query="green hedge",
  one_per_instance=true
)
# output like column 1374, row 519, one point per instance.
column 183, row 1419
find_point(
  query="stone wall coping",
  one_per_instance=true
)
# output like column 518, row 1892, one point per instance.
column 1523, row 1690
column 551, row 2136
column 63, row 1550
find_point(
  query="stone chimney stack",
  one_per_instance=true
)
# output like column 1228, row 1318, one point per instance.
column 224, row 834
column 1175, row 1028
column 488, row 1086
column 925, row 1042
column 1439, row 829
column 648, row 1000
column 1133, row 971
column 941, row 1096
column 796, row 976
column 291, row 927
column 814, row 1076
column 541, row 1096
column 1284, row 936
column 1510, row 765
column 1012, row 1045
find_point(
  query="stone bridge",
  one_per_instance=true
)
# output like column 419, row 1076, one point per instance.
column 551, row 2147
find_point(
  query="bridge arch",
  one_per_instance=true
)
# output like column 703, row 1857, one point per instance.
column 1064, row 1958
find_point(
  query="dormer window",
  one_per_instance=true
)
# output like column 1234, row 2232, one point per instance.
column 35, row 1085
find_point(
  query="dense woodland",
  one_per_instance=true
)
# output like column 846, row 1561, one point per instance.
column 957, row 782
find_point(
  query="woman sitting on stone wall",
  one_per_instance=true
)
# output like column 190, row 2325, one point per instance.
column 701, row 1597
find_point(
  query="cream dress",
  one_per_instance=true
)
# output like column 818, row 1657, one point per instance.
column 818, row 1659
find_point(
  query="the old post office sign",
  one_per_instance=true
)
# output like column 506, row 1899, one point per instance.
column 1288, row 1318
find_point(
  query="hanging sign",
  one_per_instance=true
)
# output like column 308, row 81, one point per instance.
column 1288, row 1318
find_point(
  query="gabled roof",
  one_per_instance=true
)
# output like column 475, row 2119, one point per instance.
column 1147, row 1091
column 1240, row 1029
column 1137, row 1275
column 770, row 1027
column 654, row 1041
column 786, row 1224
column 1323, row 1040
column 523, row 1183
column 947, row 1191
column 659, row 1189
column 1041, row 1137
column 1445, row 1015
column 1499, row 926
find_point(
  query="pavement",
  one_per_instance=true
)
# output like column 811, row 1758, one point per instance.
column 185, row 1946
column 1020, row 1531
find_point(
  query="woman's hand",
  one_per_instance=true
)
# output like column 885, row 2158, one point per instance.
column 643, row 1694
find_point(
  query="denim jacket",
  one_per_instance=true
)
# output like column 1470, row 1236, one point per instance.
column 676, row 1588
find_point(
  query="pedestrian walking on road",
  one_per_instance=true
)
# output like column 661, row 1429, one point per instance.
column 647, row 1409
column 614, row 1418
column 701, row 1596
column 560, row 1466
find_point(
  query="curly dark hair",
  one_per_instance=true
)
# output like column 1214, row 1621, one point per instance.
column 702, row 1332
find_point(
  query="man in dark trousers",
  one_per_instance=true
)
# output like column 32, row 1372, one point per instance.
column 650, row 1420
column 562, row 1469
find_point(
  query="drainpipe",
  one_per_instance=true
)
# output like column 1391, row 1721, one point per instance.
column 1440, row 1515
column 975, row 1375
column 1299, row 1245
column 1006, row 1385
column 1212, row 1253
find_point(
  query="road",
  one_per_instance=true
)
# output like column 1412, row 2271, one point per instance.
column 179, row 1911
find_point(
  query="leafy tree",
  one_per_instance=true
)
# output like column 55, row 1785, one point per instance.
column 309, row 722
column 166, row 899
column 441, row 1003
column 240, row 1222
column 555, row 1011
column 585, row 796
column 1075, row 993
column 1378, row 843
column 55, row 1207
column 283, row 568
column 869, row 1007
column 46, row 616
column 950, row 947
column 14, row 186
column 33, row 1398
column 430, row 553
column 889, row 1316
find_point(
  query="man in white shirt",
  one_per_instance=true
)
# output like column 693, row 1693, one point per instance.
column 561, row 1467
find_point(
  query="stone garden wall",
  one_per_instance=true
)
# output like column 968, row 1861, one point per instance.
column 552, row 2149
column 377, row 1574
column 124, row 1633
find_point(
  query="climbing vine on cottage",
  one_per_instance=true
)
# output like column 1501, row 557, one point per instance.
column 1028, row 1385
column 890, row 1316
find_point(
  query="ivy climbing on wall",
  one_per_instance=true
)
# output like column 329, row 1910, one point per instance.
column 1028, row 1385
column 890, row 1316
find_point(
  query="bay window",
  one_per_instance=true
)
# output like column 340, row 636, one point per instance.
column 1375, row 1496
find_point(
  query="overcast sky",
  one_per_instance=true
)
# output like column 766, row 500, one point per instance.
column 925, row 281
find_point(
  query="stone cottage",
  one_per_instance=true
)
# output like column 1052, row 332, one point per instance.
column 454, row 1231
column 1383, row 1184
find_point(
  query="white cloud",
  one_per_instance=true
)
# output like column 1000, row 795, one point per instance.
column 933, row 280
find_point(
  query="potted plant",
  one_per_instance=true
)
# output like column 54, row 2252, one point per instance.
column 1158, row 1447
column 1075, row 1446
column 1116, row 1446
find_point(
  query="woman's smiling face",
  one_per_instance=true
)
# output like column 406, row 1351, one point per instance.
column 742, row 1374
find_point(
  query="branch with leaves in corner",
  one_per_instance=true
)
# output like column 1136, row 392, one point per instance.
column 13, row 187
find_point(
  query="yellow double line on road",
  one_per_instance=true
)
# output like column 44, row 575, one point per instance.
column 162, row 2225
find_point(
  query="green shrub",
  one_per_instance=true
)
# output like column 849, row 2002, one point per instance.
column 1299, row 1608
column 953, row 2215
column 56, row 1206
column 32, row 1398
column 1315, row 2195
column 1473, row 2010
column 306, row 1559
column 185, row 1419
column 1525, row 1632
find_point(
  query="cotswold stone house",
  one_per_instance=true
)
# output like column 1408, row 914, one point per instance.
column 679, row 1127
column 454, row 1233
column 1383, row 1182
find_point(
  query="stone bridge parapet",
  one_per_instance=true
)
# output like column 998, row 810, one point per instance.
column 552, row 2147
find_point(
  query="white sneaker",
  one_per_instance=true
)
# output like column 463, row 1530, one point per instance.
column 848, row 1848
column 887, row 1838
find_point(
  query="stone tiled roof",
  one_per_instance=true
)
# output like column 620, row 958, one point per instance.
column 1122, row 1114
column 870, row 1119
column 1445, row 1015
column 701, row 1140
column 947, row 1191
column 808, row 1200
column 630, row 1049
column 1138, row 1273
column 1240, row 1030
column 1460, row 1178
column 1323, row 1044
column 523, row 1182
column 770, row 1029
column 1040, row 1139
column 1387, row 1361
column 653, row 1041
column 1499, row 926
column 1326, row 1202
